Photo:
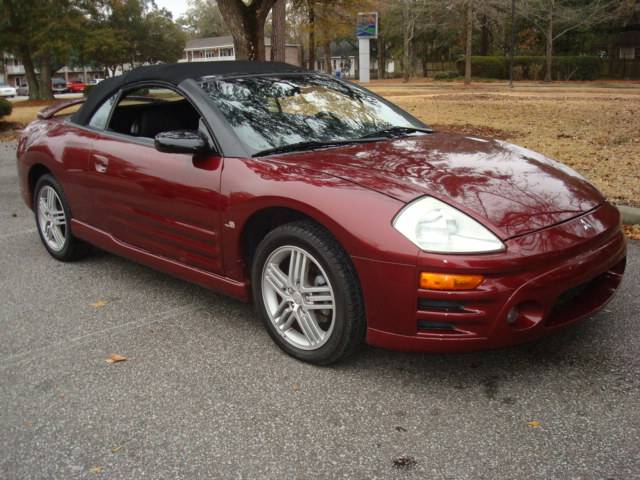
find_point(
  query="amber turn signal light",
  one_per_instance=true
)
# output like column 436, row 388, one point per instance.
column 446, row 281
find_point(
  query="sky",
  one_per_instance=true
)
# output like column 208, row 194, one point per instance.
column 176, row 7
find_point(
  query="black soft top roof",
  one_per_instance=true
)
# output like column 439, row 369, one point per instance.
column 175, row 73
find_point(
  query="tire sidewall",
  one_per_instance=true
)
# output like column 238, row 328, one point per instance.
column 340, row 327
column 48, row 180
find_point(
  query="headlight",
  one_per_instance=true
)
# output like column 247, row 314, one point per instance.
column 437, row 227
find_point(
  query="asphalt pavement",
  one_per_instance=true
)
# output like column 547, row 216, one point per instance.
column 205, row 393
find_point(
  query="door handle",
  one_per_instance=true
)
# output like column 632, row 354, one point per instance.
column 100, row 163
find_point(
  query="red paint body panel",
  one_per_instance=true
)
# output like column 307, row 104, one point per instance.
column 186, row 216
column 511, row 189
column 163, row 203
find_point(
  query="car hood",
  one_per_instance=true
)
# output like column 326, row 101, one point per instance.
column 508, row 188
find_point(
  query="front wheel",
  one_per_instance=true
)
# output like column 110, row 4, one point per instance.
column 308, row 294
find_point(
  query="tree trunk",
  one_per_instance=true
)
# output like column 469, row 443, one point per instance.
column 278, row 35
column 45, row 79
column 469, row 43
column 326, row 51
column 30, row 72
column 549, row 53
column 611, row 53
column 382, row 70
column 312, row 35
column 512, row 41
column 409, row 21
column 246, row 23
column 485, row 36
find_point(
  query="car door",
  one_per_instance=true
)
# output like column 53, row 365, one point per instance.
column 167, row 204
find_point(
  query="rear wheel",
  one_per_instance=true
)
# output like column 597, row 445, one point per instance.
column 308, row 294
column 53, row 219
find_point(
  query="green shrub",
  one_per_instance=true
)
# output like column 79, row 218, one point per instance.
column 5, row 107
column 445, row 75
column 576, row 68
column 87, row 89
column 534, row 67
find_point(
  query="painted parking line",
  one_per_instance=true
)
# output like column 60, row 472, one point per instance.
column 156, row 317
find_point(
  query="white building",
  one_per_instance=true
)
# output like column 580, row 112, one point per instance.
column 215, row 49
column 15, row 76
column 344, row 61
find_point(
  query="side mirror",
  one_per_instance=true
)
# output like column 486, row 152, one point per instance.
column 181, row 141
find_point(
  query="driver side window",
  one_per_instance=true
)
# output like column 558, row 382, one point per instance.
column 146, row 112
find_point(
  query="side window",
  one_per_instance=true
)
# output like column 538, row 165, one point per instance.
column 101, row 116
column 146, row 112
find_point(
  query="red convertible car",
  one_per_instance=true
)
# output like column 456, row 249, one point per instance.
column 343, row 217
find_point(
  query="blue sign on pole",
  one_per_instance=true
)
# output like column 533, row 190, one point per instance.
column 367, row 25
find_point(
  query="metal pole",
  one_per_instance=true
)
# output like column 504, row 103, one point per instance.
column 513, row 41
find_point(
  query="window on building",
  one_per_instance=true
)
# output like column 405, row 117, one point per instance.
column 627, row 53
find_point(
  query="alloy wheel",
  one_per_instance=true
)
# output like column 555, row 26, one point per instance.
column 52, row 220
column 298, row 297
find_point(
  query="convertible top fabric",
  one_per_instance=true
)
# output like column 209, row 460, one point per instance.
column 175, row 73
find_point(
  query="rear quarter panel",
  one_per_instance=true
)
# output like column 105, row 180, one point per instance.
column 64, row 150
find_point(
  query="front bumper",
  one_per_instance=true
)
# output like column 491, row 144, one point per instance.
column 543, row 282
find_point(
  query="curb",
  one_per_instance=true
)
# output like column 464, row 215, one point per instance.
column 630, row 215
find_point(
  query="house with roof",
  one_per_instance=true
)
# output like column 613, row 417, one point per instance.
column 15, row 75
column 216, row 49
column 344, row 60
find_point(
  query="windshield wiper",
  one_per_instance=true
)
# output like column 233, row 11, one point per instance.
column 397, row 130
column 312, row 145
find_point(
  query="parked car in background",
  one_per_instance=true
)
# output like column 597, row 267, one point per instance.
column 59, row 85
column 23, row 90
column 7, row 91
column 343, row 217
column 76, row 86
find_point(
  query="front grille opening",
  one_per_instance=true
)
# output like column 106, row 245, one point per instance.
column 582, row 298
column 570, row 295
column 428, row 305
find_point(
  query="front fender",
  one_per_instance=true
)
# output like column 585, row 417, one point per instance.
column 359, row 218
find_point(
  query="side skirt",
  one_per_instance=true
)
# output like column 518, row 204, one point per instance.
column 108, row 242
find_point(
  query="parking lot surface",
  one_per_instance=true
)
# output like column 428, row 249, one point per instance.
column 205, row 393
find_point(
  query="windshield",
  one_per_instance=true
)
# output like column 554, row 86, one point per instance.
column 270, row 112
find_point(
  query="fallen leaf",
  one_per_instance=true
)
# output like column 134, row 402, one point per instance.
column 534, row 423
column 115, row 358
column 28, row 424
column 404, row 462
column 96, row 469
column 98, row 304
column 296, row 387
column 116, row 449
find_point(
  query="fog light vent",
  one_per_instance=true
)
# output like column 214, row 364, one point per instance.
column 427, row 325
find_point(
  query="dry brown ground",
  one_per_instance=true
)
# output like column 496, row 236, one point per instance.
column 593, row 127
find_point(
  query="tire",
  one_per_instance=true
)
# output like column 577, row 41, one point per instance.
column 298, row 317
column 71, row 248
